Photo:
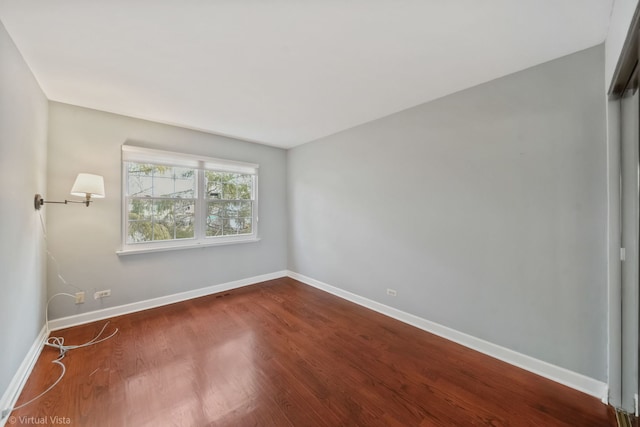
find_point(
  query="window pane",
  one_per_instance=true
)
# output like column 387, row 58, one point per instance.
column 139, row 231
column 215, row 208
column 139, row 179
column 229, row 227
column 228, row 186
column 227, row 218
column 244, row 209
column 233, row 226
column 174, row 182
column 151, row 220
column 229, row 189
column 175, row 218
column 145, row 179
column 140, row 209
column 214, row 219
column 231, row 209
column 245, row 186
column 214, row 190
column 163, row 210
column 185, row 219
column 163, row 230
column 244, row 226
column 213, row 184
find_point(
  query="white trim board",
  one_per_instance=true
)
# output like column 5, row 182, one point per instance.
column 18, row 381
column 560, row 375
column 92, row 316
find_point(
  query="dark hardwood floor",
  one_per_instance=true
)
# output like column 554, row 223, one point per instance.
column 281, row 353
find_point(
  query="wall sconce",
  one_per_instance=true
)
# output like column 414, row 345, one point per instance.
column 87, row 185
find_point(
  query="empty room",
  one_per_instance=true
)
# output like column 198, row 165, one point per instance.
column 320, row 213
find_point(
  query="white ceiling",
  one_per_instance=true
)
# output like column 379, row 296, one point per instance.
column 285, row 72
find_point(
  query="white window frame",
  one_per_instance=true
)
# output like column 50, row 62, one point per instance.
column 132, row 153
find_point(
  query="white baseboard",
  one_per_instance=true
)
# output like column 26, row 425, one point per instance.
column 12, row 392
column 80, row 319
column 555, row 373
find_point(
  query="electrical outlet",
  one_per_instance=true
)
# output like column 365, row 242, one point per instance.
column 102, row 294
column 392, row 292
column 80, row 297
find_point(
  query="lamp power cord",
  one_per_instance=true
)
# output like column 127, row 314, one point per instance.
column 58, row 342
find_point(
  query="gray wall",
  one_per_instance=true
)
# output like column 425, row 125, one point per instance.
column 485, row 210
column 23, row 151
column 85, row 240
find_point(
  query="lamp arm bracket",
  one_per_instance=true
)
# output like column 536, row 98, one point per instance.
column 38, row 201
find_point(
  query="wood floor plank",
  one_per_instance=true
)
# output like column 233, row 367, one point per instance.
column 281, row 353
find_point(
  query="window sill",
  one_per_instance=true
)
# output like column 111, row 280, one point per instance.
column 147, row 249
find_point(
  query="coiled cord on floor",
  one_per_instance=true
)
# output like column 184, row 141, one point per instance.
column 58, row 342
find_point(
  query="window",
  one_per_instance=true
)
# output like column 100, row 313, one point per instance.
column 174, row 200
column 229, row 203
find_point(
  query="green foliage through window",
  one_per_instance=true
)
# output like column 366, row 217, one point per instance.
column 162, row 203
column 229, row 205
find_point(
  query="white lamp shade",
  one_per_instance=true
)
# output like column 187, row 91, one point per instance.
column 88, row 184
